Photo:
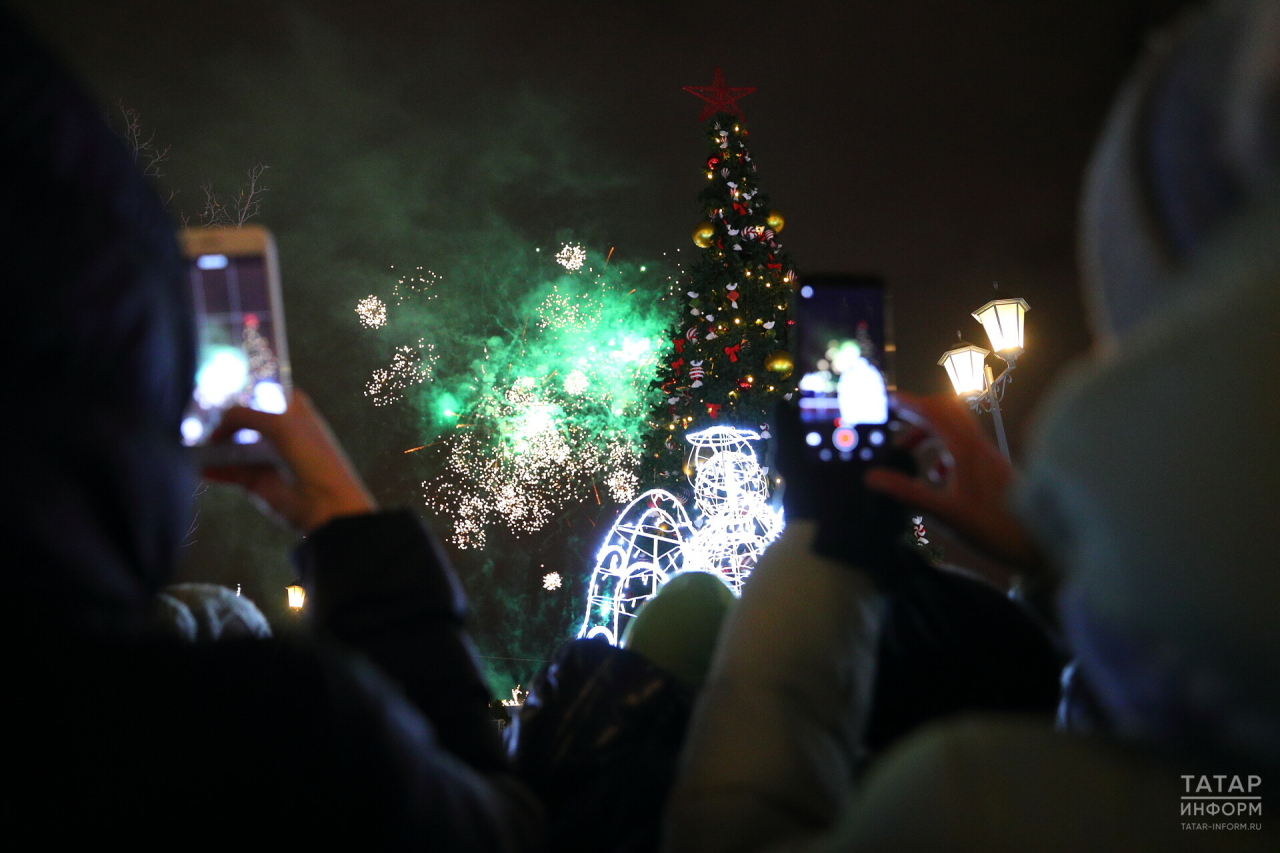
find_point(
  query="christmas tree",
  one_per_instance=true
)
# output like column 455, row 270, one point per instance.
column 728, row 361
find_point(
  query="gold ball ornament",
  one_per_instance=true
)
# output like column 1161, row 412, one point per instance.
column 779, row 361
column 776, row 221
column 704, row 235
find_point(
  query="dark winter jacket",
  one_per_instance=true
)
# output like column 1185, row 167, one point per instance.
column 597, row 740
column 376, row 733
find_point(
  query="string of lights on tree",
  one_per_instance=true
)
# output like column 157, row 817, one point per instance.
column 726, row 359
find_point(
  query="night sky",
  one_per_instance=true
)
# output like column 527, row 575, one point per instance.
column 940, row 144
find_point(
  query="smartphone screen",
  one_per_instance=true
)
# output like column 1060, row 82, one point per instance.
column 843, row 358
column 241, row 356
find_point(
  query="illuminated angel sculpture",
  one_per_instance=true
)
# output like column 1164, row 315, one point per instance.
column 653, row 537
column 731, row 490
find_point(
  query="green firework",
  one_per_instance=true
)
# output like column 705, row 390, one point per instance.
column 543, row 406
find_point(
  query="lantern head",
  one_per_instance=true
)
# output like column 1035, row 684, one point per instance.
column 965, row 365
column 1003, row 320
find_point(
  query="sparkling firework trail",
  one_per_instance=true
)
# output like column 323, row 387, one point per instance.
column 416, row 285
column 410, row 365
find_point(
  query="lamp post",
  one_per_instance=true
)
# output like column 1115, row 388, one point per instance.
column 966, row 364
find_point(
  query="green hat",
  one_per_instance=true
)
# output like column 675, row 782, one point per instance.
column 677, row 628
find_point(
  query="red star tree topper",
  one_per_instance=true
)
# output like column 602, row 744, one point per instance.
column 719, row 97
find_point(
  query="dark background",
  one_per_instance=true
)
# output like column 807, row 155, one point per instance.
column 939, row 143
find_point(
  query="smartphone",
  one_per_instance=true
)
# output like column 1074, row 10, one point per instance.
column 844, row 360
column 242, row 356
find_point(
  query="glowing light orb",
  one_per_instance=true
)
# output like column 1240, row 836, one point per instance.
column 268, row 397
column 223, row 375
column 246, row 436
column 571, row 256
column 372, row 312
column 192, row 430
column 551, row 581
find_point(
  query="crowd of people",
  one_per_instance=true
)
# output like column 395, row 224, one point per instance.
column 855, row 697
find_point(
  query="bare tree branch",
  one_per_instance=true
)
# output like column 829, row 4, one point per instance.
column 143, row 147
column 234, row 213
column 214, row 213
column 249, row 200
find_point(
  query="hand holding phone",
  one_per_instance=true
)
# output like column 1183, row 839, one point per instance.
column 973, row 503
column 315, row 481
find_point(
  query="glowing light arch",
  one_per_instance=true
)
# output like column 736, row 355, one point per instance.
column 642, row 549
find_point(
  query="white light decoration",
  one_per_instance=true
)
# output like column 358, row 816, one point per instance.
column 1003, row 320
column 551, row 581
column 654, row 539
column 731, row 490
column 965, row 365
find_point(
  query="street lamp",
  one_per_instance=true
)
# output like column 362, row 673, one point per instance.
column 971, row 376
column 1003, row 320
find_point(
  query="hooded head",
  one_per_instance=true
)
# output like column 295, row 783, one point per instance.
column 1153, row 472
column 99, row 358
column 1192, row 142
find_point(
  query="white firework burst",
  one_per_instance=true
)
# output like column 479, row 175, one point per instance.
column 571, row 256
column 372, row 312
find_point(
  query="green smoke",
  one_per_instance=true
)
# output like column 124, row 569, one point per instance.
column 398, row 153
column 539, row 401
